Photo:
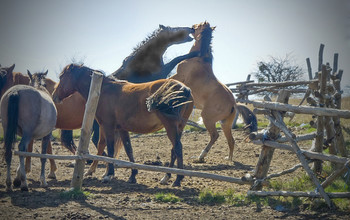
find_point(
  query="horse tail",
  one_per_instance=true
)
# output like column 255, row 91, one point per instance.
column 96, row 133
column 117, row 146
column 248, row 117
column 12, row 123
column 67, row 140
column 169, row 98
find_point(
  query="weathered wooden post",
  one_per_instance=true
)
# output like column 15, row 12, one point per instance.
column 266, row 153
column 318, row 143
column 89, row 115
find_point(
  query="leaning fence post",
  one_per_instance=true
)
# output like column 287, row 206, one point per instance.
column 86, row 129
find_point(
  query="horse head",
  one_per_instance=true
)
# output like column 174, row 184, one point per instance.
column 203, row 36
column 176, row 35
column 6, row 78
column 37, row 80
column 71, row 77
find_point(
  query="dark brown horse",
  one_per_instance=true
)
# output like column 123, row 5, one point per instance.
column 139, row 108
column 146, row 63
column 30, row 113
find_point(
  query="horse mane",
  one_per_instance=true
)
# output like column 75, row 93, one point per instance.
column 3, row 79
column 150, row 37
column 206, row 49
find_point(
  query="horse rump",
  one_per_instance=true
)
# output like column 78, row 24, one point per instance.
column 12, row 122
column 169, row 98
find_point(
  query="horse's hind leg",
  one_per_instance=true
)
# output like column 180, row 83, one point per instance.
column 28, row 159
column 101, row 147
column 124, row 135
column 109, row 135
column 21, row 179
column 53, row 166
column 227, row 128
column 44, row 146
column 214, row 135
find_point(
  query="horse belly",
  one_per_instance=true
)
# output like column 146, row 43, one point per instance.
column 143, row 124
column 47, row 119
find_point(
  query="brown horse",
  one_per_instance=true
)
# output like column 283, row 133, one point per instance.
column 139, row 108
column 69, row 113
column 30, row 112
column 215, row 100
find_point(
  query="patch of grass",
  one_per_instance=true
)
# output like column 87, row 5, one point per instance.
column 74, row 194
column 210, row 198
column 167, row 197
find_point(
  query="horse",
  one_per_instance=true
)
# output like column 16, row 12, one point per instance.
column 140, row 108
column 215, row 100
column 146, row 63
column 29, row 112
column 69, row 113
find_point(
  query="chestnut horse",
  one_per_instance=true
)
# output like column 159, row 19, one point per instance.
column 30, row 112
column 139, row 108
column 70, row 112
column 210, row 95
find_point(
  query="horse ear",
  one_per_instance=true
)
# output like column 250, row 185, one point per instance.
column 213, row 28
column 161, row 26
column 10, row 69
column 30, row 75
column 45, row 74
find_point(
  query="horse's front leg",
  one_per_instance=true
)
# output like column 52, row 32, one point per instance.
column 109, row 135
column 124, row 135
column 101, row 147
column 44, row 145
column 53, row 167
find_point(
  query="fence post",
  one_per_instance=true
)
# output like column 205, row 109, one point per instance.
column 86, row 129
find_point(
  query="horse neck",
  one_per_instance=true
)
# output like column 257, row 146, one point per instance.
column 50, row 85
column 19, row 78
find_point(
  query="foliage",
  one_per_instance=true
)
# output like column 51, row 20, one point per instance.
column 74, row 194
column 210, row 198
column 167, row 197
column 278, row 70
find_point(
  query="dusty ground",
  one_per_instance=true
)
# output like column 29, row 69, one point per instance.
column 121, row 200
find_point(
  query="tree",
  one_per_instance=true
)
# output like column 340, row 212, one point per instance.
column 278, row 70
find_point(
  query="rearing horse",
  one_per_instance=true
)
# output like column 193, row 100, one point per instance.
column 211, row 96
column 31, row 113
column 139, row 108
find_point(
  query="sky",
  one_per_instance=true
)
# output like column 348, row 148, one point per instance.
column 44, row 35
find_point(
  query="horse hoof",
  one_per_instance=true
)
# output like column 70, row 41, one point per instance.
column 132, row 180
column 88, row 162
column 229, row 158
column 164, row 180
column 17, row 183
column 43, row 185
column 52, row 176
column 176, row 184
column 88, row 173
column 199, row 160
column 107, row 179
column 24, row 188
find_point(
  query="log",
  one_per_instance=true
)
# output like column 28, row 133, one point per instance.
column 282, row 84
column 320, row 57
column 309, row 70
column 86, row 129
column 298, row 194
column 237, row 83
column 305, row 137
column 265, row 157
column 309, row 154
column 127, row 164
column 280, row 124
column 298, row 109
column 335, row 174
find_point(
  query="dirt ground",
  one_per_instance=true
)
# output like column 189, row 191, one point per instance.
column 121, row 200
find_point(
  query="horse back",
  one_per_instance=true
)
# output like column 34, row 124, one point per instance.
column 37, row 113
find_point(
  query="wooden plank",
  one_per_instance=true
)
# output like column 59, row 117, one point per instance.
column 127, row 164
column 298, row 109
column 89, row 115
column 309, row 154
column 298, row 194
